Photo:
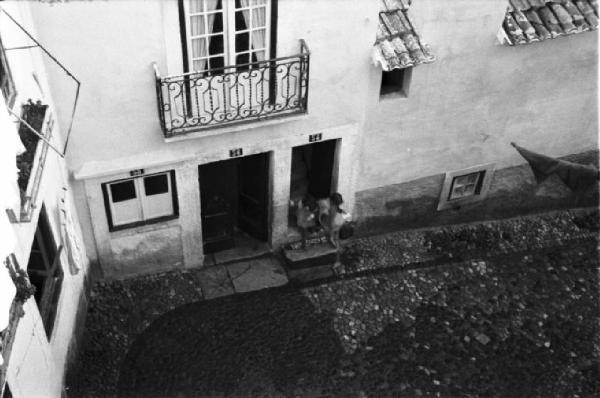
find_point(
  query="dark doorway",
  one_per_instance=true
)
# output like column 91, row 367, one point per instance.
column 45, row 271
column 234, row 196
column 312, row 170
column 253, row 186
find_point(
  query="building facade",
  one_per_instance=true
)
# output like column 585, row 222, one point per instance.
column 218, row 179
column 203, row 120
column 201, row 123
column 44, row 263
column 462, row 111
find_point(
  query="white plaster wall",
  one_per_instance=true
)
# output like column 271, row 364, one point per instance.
column 112, row 53
column 31, row 371
column 139, row 250
column 178, row 243
column 478, row 96
column 117, row 129
column 36, row 367
column 462, row 110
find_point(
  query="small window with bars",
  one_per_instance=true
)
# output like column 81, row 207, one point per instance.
column 465, row 186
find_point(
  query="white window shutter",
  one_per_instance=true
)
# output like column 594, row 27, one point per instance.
column 126, row 212
column 158, row 203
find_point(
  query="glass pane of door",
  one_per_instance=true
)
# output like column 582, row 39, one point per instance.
column 224, row 33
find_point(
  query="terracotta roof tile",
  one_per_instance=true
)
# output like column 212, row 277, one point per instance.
column 578, row 18
column 589, row 9
column 528, row 21
column 398, row 45
column 526, row 26
column 540, row 29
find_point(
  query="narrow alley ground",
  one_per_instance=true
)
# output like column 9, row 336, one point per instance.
column 505, row 308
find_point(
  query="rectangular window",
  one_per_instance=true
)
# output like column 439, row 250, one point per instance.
column 45, row 272
column 466, row 185
column 396, row 81
column 226, row 32
column 6, row 82
column 140, row 200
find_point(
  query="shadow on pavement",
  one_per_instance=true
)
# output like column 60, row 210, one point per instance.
column 268, row 343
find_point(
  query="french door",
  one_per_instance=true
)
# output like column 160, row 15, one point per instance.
column 224, row 38
column 226, row 32
column 234, row 193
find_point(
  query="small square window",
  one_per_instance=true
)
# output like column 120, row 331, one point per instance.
column 141, row 200
column 465, row 186
column 396, row 81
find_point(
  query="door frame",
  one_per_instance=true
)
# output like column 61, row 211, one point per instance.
column 269, row 194
column 335, row 167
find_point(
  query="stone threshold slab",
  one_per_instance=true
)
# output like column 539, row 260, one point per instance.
column 316, row 255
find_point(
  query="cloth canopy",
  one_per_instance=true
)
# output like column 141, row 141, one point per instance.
column 577, row 177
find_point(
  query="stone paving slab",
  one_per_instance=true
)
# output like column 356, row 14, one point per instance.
column 256, row 274
column 215, row 282
column 241, row 252
column 311, row 273
column 312, row 255
column 209, row 260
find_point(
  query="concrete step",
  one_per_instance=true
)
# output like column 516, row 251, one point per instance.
column 310, row 274
column 312, row 256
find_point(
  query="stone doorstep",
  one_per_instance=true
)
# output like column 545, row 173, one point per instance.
column 312, row 256
column 240, row 253
column 317, row 272
column 215, row 282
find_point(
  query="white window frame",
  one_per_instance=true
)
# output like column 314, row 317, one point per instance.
column 228, row 10
column 7, row 83
column 142, row 201
column 446, row 202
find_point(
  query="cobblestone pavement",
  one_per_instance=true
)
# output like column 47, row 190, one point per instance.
column 498, row 328
column 519, row 321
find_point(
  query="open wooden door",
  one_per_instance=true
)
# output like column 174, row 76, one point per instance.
column 218, row 196
column 321, row 168
column 253, row 195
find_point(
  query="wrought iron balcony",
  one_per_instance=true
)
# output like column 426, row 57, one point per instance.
column 233, row 94
column 36, row 118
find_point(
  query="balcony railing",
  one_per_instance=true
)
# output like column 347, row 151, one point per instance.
column 233, row 94
column 31, row 163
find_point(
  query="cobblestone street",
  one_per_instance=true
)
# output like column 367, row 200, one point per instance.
column 519, row 321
